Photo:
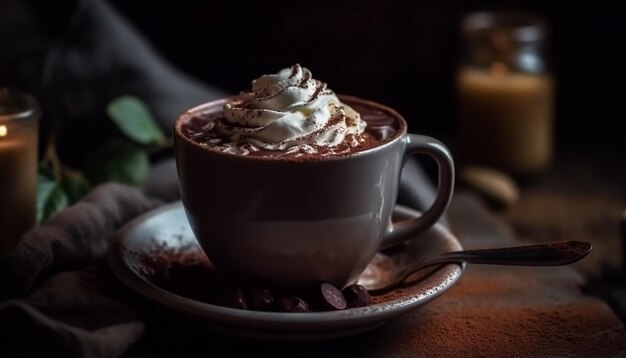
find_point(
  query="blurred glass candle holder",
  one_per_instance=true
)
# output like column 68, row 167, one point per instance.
column 505, row 93
column 19, row 119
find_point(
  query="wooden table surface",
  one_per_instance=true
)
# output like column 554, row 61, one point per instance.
column 581, row 197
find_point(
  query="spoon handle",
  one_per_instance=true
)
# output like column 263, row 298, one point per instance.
column 546, row 254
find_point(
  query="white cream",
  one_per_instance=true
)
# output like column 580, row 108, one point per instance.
column 287, row 111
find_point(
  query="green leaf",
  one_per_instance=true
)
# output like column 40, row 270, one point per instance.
column 75, row 187
column 117, row 161
column 46, row 171
column 50, row 195
column 134, row 119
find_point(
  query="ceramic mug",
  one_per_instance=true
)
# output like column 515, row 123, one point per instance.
column 298, row 223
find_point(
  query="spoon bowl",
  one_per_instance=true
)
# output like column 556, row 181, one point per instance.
column 545, row 254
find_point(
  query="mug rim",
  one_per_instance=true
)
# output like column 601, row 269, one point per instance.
column 400, row 133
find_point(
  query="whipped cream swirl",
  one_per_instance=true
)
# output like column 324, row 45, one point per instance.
column 288, row 111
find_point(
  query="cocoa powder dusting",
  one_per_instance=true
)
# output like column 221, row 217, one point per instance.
column 184, row 271
column 509, row 312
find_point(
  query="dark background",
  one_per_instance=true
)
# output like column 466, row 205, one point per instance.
column 402, row 53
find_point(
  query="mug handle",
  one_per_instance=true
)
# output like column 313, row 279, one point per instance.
column 402, row 231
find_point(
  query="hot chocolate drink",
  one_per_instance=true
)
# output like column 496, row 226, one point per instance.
column 293, row 186
column 290, row 115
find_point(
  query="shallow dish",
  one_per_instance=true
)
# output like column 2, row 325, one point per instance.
column 166, row 230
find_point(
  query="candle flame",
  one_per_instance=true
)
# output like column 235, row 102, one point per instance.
column 498, row 69
column 3, row 131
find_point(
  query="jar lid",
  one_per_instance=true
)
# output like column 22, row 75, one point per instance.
column 518, row 26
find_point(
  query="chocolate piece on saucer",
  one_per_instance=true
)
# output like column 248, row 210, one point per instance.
column 260, row 298
column 328, row 298
column 357, row 296
column 231, row 297
column 292, row 304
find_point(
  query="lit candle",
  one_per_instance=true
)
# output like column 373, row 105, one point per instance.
column 506, row 118
column 18, row 165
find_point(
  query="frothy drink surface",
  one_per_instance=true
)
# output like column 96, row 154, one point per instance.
column 381, row 127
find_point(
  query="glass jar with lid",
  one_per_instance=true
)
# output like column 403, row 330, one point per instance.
column 505, row 93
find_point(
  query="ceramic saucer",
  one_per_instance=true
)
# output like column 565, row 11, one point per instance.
column 164, row 234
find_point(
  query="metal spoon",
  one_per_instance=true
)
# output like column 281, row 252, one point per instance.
column 546, row 254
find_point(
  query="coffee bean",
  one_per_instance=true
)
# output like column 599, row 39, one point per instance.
column 328, row 297
column 261, row 298
column 184, row 279
column 357, row 296
column 292, row 304
column 231, row 297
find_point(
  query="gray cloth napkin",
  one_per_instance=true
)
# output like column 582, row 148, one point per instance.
column 55, row 297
